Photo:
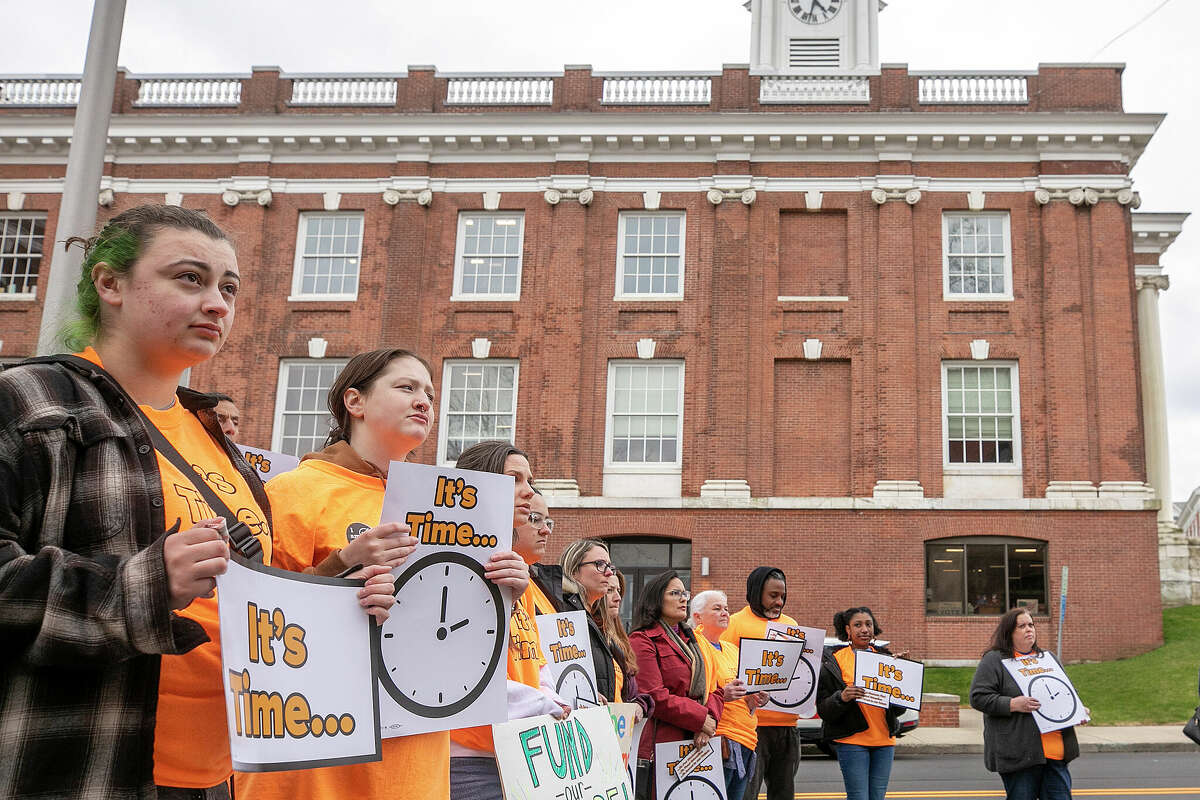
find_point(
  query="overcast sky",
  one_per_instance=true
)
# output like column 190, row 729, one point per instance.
column 1163, row 75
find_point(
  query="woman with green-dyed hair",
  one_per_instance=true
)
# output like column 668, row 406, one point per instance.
column 108, row 556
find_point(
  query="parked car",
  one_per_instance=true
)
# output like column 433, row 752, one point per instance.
column 810, row 727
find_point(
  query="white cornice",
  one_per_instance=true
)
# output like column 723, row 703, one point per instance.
column 1154, row 232
column 857, row 503
column 765, row 136
column 538, row 185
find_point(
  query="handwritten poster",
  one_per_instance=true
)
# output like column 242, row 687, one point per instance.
column 300, row 688
column 579, row 758
column 442, row 652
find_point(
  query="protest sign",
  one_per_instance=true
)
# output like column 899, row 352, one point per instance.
column 577, row 758
column 442, row 651
column 767, row 665
column 266, row 463
column 622, row 715
column 683, row 773
column 567, row 648
column 888, row 680
column 801, row 695
column 297, row 652
column 1041, row 677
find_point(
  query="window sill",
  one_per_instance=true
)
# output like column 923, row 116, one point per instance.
column 988, row 302
column 477, row 298
column 648, row 298
column 18, row 297
column 326, row 298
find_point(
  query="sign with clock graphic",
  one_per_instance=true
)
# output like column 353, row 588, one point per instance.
column 815, row 12
column 442, row 651
column 298, row 669
column 1040, row 676
column 684, row 772
column 767, row 665
column 579, row 756
column 567, row 648
column 800, row 697
column 889, row 681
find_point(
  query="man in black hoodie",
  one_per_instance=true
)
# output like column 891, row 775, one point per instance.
column 778, row 740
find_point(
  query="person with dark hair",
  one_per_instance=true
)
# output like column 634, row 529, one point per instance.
column 111, row 676
column 327, row 512
column 228, row 415
column 473, row 771
column 778, row 750
column 673, row 671
column 1031, row 764
column 864, row 736
column 607, row 613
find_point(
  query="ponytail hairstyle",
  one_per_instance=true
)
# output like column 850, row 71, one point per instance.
column 1002, row 637
column 842, row 618
column 360, row 373
column 118, row 245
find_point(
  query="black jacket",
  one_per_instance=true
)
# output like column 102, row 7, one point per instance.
column 840, row 719
column 1011, row 740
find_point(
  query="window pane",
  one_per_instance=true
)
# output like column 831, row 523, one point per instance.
column 1027, row 576
column 489, row 261
column 943, row 580
column 976, row 251
column 985, row 579
column 480, row 404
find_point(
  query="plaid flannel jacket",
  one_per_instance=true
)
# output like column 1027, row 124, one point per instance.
column 84, row 601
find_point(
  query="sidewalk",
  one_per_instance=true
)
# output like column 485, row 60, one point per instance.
column 968, row 738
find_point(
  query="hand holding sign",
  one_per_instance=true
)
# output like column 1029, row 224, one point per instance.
column 388, row 543
column 1046, row 692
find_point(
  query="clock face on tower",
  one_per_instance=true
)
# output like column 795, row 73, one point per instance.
column 815, row 12
column 470, row 620
column 1057, row 699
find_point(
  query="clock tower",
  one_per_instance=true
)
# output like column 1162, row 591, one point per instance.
column 814, row 37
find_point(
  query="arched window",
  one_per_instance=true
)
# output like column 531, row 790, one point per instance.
column 640, row 558
column 977, row 575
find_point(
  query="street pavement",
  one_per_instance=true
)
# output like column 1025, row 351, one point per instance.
column 967, row 738
column 1134, row 776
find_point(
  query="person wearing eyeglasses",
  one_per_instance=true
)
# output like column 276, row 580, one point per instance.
column 673, row 671
column 586, row 572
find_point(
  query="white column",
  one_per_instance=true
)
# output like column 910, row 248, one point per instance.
column 1154, row 394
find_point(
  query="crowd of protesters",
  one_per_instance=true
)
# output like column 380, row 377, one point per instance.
column 110, row 677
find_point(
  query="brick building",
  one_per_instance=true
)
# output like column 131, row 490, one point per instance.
column 894, row 332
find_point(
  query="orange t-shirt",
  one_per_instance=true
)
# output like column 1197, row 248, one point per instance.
column 320, row 507
column 736, row 721
column 525, row 662
column 876, row 734
column 541, row 603
column 191, row 740
column 747, row 624
column 1052, row 742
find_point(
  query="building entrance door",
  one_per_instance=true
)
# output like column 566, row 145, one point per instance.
column 640, row 558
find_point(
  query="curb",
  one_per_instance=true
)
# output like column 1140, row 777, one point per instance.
column 972, row 748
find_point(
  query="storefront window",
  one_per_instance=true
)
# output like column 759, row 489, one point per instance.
column 984, row 576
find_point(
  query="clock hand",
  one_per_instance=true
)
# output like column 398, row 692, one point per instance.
column 458, row 625
column 445, row 589
column 816, row 4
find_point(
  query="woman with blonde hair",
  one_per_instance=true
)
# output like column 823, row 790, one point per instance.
column 586, row 570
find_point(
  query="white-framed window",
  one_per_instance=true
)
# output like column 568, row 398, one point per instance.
column 328, row 256
column 22, row 237
column 981, row 416
column 650, row 255
column 479, row 402
column 645, row 416
column 302, row 419
column 487, row 260
column 976, row 256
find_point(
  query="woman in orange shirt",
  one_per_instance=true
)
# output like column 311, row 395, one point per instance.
column 326, row 517
column 863, row 735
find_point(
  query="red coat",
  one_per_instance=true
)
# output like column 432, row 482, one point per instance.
column 664, row 673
